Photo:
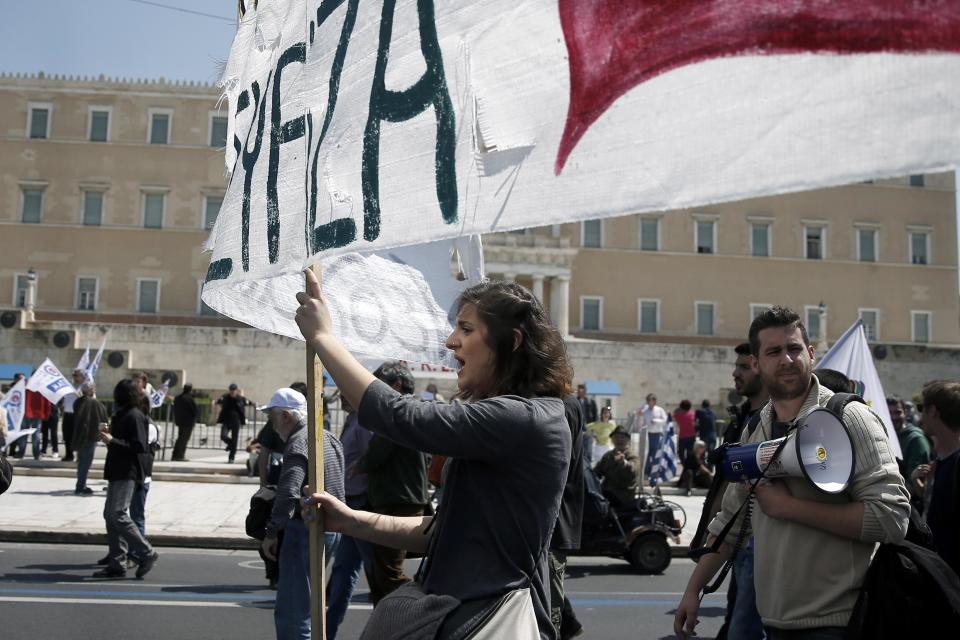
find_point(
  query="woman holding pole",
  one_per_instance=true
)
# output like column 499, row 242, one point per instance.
column 509, row 448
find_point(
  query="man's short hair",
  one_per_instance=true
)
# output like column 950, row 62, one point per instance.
column 834, row 380
column 775, row 317
column 301, row 387
column 140, row 375
column 394, row 371
column 582, row 386
column 650, row 397
column 945, row 396
column 705, row 404
column 88, row 385
column 895, row 399
column 187, row 388
column 743, row 349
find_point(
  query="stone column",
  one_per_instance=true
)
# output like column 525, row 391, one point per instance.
column 538, row 286
column 560, row 303
column 30, row 299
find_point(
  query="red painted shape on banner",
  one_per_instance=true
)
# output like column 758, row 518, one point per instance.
column 614, row 45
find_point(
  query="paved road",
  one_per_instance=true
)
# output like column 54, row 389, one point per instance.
column 194, row 594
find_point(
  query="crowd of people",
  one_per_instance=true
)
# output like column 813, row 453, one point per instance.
column 507, row 519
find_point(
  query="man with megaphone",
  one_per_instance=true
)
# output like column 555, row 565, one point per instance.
column 827, row 490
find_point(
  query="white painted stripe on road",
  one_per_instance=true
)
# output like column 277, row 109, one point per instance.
column 363, row 606
column 632, row 593
column 116, row 601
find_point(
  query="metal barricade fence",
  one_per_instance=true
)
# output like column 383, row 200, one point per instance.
column 207, row 436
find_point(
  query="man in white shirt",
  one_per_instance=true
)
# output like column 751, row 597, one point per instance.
column 654, row 419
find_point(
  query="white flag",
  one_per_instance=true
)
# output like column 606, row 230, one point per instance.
column 14, row 403
column 49, row 382
column 851, row 356
column 91, row 369
column 363, row 126
column 84, row 360
column 156, row 398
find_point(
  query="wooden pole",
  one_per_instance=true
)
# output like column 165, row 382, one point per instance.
column 318, row 600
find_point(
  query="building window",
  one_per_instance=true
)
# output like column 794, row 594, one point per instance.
column 591, row 233
column 867, row 245
column 758, row 308
column 21, row 283
column 919, row 247
column 39, row 121
column 813, row 322
column 760, row 239
column 649, row 313
column 159, row 126
column 153, row 210
column 650, row 234
column 211, row 207
column 705, row 318
column 32, row 207
column 871, row 323
column 148, row 295
column 706, row 239
column 93, row 208
column 917, row 180
column 99, row 125
column 218, row 131
column 814, row 242
column 591, row 313
column 86, row 294
column 920, row 326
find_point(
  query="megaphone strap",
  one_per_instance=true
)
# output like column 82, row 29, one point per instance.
column 748, row 505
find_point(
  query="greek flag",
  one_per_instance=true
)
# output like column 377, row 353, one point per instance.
column 665, row 464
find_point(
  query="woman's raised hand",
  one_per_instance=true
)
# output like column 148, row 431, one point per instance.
column 336, row 515
column 313, row 316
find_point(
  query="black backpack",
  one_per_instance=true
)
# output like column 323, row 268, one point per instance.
column 6, row 473
column 909, row 591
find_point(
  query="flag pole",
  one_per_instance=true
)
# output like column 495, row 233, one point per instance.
column 318, row 598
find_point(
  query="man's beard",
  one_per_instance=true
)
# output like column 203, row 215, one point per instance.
column 787, row 391
column 751, row 388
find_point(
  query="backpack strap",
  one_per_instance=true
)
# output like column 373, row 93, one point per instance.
column 753, row 423
column 839, row 402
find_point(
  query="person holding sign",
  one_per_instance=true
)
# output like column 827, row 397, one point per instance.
column 509, row 446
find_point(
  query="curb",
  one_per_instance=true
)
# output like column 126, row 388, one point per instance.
column 157, row 539
column 165, row 476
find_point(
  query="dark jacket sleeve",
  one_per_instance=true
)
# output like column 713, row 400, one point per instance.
column 490, row 429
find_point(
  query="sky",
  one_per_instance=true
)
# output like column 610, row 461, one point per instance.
column 117, row 38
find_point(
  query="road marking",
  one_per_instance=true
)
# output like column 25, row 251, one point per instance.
column 632, row 593
column 251, row 564
column 124, row 601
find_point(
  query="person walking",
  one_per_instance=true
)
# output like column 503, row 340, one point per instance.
column 126, row 443
column 185, row 412
column 232, row 416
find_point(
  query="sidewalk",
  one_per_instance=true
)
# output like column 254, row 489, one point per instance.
column 201, row 503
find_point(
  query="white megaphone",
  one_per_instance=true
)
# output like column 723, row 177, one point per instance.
column 820, row 449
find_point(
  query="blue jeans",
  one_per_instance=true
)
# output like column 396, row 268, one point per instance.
column 653, row 447
column 84, row 460
column 122, row 533
column 138, row 507
column 32, row 423
column 351, row 555
column 745, row 622
column 291, row 613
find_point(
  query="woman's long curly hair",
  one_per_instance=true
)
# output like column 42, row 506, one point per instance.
column 539, row 366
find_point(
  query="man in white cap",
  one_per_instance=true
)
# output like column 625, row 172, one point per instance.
column 287, row 411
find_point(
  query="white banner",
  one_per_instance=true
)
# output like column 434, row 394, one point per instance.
column 84, row 360
column 365, row 126
column 14, row 403
column 850, row 355
column 49, row 382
